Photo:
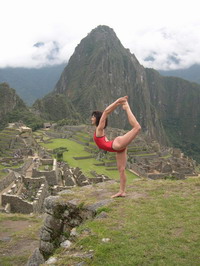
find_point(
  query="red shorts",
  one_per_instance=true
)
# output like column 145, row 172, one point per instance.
column 105, row 145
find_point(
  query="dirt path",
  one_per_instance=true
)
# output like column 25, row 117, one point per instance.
column 18, row 238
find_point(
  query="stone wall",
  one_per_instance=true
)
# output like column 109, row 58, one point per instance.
column 53, row 177
column 50, row 176
column 137, row 169
column 19, row 205
column 75, row 177
column 60, row 219
column 40, row 197
column 46, row 161
column 73, row 128
column 7, row 180
column 57, row 135
column 26, row 165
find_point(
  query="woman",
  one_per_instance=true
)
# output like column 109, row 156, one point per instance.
column 119, row 144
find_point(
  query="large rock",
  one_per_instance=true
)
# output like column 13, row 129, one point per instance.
column 36, row 259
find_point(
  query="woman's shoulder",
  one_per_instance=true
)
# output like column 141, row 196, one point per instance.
column 99, row 132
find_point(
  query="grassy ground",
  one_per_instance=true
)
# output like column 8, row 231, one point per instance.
column 43, row 167
column 87, row 165
column 19, row 236
column 156, row 224
column 2, row 174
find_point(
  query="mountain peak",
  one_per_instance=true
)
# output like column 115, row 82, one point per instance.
column 102, row 29
column 102, row 37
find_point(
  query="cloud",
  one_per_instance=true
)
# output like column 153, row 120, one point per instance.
column 162, row 35
column 168, row 48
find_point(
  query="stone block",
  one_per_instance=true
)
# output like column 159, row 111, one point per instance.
column 36, row 259
column 69, row 180
column 159, row 166
column 44, row 234
column 94, row 207
column 186, row 170
column 54, row 207
column 46, row 247
column 96, row 180
column 178, row 175
column 81, row 180
column 53, row 223
column 167, row 168
column 76, row 171
column 156, row 176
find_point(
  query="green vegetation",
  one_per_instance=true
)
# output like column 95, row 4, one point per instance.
column 156, row 224
column 44, row 167
column 28, row 118
column 55, row 107
column 2, row 174
column 59, row 152
column 13, row 109
column 87, row 165
column 66, row 121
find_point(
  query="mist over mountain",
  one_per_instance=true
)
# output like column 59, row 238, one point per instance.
column 192, row 73
column 32, row 83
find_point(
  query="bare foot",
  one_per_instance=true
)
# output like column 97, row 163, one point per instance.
column 119, row 194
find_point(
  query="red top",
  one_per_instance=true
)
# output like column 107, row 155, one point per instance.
column 103, row 144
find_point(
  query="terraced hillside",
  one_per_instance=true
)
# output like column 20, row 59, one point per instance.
column 9, row 142
column 145, row 158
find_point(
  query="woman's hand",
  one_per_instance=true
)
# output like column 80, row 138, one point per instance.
column 122, row 100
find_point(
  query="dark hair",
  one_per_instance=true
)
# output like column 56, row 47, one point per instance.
column 98, row 115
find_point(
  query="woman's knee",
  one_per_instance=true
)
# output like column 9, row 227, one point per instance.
column 121, row 169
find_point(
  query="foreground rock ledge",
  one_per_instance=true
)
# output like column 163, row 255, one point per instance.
column 61, row 216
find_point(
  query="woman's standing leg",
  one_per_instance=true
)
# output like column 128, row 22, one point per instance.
column 121, row 158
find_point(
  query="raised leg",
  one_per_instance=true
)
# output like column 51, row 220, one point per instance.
column 122, row 142
column 121, row 158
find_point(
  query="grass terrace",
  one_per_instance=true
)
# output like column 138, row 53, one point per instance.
column 2, row 173
column 87, row 165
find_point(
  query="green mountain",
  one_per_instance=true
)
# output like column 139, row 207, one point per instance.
column 177, row 102
column 13, row 109
column 101, row 70
column 31, row 83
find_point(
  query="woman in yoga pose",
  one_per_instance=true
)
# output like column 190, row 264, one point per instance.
column 119, row 144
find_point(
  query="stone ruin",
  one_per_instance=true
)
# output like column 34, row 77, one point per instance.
column 25, row 188
column 162, row 164
column 24, row 191
column 146, row 158
column 75, row 177
column 26, row 195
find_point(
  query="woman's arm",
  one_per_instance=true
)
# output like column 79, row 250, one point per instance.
column 114, row 105
column 109, row 110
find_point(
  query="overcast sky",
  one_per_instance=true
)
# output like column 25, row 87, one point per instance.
column 163, row 34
